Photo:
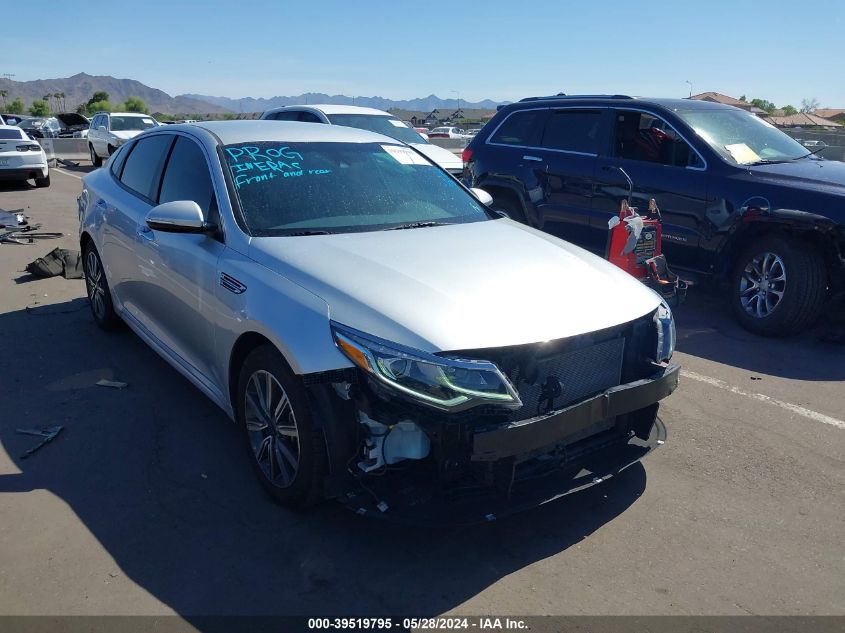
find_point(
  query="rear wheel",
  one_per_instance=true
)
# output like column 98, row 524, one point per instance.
column 778, row 286
column 96, row 160
column 43, row 182
column 287, row 450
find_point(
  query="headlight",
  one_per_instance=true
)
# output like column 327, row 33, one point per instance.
column 444, row 383
column 665, row 325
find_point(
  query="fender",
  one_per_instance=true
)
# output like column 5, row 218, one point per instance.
column 516, row 188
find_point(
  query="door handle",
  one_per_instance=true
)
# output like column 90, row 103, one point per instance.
column 101, row 204
column 534, row 158
column 145, row 232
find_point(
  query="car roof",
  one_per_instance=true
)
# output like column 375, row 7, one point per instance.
column 149, row 116
column 618, row 100
column 330, row 108
column 10, row 127
column 230, row 132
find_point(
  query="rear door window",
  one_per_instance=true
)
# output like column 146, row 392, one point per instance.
column 523, row 128
column 142, row 169
column 573, row 131
column 309, row 117
column 285, row 115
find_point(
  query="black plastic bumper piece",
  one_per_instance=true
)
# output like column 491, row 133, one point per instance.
column 526, row 436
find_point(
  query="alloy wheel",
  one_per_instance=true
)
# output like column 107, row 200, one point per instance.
column 271, row 426
column 95, row 283
column 762, row 284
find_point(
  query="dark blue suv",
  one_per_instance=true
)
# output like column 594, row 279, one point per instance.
column 741, row 201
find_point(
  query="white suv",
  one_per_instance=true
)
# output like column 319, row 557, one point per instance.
column 373, row 120
column 109, row 130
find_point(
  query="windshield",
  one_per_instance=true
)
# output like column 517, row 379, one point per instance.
column 342, row 188
column 742, row 138
column 387, row 125
column 15, row 135
column 130, row 123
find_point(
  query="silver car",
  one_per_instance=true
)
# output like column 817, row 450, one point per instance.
column 378, row 333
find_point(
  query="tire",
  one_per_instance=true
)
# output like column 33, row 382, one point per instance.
column 43, row 182
column 285, row 448
column 96, row 160
column 778, row 286
column 509, row 208
column 99, row 293
column 111, row 149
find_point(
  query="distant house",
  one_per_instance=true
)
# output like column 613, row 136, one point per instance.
column 717, row 97
column 803, row 119
column 832, row 114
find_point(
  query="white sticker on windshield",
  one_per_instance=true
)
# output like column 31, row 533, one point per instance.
column 397, row 123
column 742, row 154
column 405, row 155
column 147, row 121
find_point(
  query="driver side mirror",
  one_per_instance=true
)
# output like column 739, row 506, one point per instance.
column 179, row 216
column 483, row 197
column 101, row 128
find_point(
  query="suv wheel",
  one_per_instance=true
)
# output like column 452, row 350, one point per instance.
column 286, row 449
column 778, row 286
column 96, row 160
column 509, row 208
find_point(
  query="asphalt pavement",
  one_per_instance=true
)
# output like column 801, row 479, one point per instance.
column 145, row 504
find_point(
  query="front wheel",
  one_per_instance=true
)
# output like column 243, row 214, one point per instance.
column 778, row 286
column 287, row 450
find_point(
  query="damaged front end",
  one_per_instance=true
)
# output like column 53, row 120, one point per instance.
column 474, row 435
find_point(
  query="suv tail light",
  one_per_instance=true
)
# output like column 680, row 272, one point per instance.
column 466, row 155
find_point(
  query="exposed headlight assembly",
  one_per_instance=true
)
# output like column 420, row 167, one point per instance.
column 665, row 325
column 447, row 384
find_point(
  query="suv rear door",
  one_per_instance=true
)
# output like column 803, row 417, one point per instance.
column 572, row 138
column 663, row 165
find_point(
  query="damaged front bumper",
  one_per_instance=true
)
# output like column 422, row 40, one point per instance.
column 482, row 467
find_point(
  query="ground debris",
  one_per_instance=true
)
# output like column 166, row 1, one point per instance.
column 115, row 384
column 48, row 433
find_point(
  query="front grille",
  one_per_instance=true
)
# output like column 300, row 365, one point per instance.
column 583, row 366
column 580, row 374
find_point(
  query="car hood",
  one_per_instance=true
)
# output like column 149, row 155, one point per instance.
column 440, row 155
column 827, row 175
column 126, row 134
column 72, row 119
column 463, row 286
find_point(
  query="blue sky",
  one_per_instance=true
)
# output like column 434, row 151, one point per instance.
column 495, row 49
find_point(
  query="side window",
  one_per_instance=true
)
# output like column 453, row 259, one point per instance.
column 95, row 122
column 521, row 128
column 644, row 137
column 142, row 167
column 309, row 117
column 117, row 160
column 186, row 177
column 286, row 115
column 573, row 131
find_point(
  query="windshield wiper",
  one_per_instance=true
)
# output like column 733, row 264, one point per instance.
column 812, row 153
column 309, row 232
column 766, row 161
column 416, row 225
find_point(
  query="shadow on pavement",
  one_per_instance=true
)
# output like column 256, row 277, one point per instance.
column 707, row 329
column 158, row 475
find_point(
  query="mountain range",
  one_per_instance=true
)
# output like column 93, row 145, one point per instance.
column 422, row 104
column 80, row 87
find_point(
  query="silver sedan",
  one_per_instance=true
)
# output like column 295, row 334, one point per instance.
column 378, row 333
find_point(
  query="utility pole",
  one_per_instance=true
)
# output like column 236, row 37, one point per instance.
column 690, row 87
column 8, row 75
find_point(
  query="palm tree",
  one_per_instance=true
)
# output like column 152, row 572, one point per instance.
column 3, row 95
column 61, row 95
